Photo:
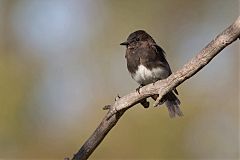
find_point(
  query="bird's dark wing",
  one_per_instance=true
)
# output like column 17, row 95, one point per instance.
column 161, row 53
column 161, row 56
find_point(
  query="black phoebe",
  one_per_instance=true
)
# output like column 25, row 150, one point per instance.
column 147, row 63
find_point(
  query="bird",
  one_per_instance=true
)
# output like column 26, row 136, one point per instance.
column 147, row 63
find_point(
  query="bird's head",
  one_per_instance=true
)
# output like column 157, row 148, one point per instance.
column 137, row 39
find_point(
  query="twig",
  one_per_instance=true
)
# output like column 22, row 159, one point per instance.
column 160, row 87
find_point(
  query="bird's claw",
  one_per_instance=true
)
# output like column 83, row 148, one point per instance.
column 138, row 89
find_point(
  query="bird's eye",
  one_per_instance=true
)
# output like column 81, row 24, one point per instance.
column 137, row 39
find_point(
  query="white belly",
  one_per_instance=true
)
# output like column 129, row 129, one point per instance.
column 145, row 76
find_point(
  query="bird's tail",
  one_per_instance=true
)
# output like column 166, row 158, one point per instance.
column 172, row 103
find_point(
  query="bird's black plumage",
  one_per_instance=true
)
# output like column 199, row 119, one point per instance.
column 147, row 63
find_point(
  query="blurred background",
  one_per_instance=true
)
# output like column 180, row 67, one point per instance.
column 61, row 62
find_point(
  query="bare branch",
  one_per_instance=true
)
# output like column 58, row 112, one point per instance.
column 160, row 87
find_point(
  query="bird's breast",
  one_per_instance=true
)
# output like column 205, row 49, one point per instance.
column 145, row 76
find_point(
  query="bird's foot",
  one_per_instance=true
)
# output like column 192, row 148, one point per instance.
column 138, row 89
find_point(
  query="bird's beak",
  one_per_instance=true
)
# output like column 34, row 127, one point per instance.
column 124, row 44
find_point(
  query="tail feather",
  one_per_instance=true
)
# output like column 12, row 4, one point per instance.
column 172, row 103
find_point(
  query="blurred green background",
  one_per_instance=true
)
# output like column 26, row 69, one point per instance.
column 61, row 62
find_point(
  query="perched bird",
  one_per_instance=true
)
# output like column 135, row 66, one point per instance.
column 147, row 63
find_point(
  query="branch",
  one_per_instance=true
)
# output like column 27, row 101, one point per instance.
column 160, row 87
